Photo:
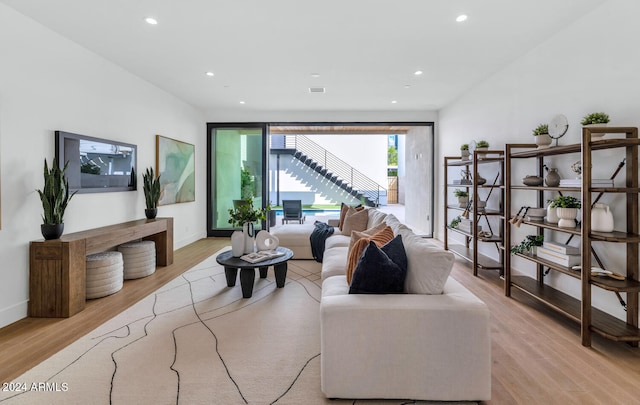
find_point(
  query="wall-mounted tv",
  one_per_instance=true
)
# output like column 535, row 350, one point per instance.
column 96, row 165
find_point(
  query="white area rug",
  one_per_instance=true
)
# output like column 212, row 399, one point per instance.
column 196, row 341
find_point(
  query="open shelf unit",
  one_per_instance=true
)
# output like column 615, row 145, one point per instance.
column 580, row 309
column 469, row 249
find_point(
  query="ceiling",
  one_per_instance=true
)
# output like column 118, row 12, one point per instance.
column 264, row 53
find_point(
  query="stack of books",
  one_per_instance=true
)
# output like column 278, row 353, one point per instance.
column 462, row 181
column 261, row 256
column 578, row 183
column 563, row 254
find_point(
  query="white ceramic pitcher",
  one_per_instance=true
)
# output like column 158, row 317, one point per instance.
column 601, row 218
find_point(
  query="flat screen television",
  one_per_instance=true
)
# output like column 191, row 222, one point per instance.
column 96, row 165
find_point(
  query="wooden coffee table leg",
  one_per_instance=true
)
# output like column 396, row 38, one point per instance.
column 231, row 273
column 281, row 274
column 263, row 272
column 246, row 282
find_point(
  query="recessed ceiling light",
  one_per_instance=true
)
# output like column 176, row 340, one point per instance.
column 151, row 20
column 242, row 102
column 315, row 75
column 210, row 74
column 418, row 72
column 406, row 86
column 461, row 18
column 394, row 101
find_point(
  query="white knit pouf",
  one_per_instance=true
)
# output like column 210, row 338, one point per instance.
column 104, row 274
column 139, row 259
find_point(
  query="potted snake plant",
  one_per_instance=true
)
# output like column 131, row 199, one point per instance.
column 151, row 188
column 54, row 197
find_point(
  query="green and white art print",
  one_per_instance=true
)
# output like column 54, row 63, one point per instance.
column 175, row 162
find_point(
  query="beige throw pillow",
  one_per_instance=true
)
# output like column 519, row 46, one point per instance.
column 355, row 220
column 356, row 235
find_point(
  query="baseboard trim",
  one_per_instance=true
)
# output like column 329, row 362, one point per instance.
column 14, row 313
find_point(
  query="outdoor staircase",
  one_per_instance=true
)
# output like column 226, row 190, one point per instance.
column 329, row 166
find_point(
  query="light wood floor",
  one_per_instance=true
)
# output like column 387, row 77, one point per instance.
column 537, row 356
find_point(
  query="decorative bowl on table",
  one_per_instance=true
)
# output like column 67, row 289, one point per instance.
column 536, row 214
column 532, row 180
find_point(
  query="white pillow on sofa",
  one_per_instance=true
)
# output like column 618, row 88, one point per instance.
column 428, row 266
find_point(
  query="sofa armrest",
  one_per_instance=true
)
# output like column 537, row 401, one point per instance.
column 333, row 222
column 432, row 347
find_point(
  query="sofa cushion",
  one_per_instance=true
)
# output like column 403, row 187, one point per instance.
column 344, row 208
column 356, row 250
column 375, row 217
column 334, row 262
column 336, row 240
column 395, row 224
column 354, row 221
column 428, row 266
column 377, row 273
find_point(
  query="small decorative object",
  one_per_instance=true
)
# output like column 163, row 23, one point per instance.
column 237, row 243
column 576, row 167
column 480, row 180
column 463, row 197
column 527, row 244
column 455, row 222
column 245, row 215
column 552, row 215
column 567, row 210
column 464, row 151
column 543, row 140
column 597, row 119
column 466, row 176
column 536, row 214
column 532, row 180
column 266, row 241
column 601, row 218
column 558, row 127
column 55, row 197
column 482, row 145
column 553, row 178
column 151, row 188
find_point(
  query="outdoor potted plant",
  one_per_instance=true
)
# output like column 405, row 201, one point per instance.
column 463, row 197
column 55, row 197
column 567, row 210
column 596, row 119
column 464, row 151
column 151, row 188
column 244, row 215
column 541, row 133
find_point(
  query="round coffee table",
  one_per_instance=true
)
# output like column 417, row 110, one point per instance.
column 247, row 270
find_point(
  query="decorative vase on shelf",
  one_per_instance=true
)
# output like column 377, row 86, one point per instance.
column 596, row 135
column 567, row 217
column 464, row 154
column 601, row 218
column 237, row 243
column 249, row 234
column 543, row 141
column 553, row 178
column 463, row 202
column 51, row 231
column 552, row 215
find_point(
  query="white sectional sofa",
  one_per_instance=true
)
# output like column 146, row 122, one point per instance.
column 430, row 343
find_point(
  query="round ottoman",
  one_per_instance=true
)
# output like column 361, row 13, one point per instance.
column 139, row 259
column 104, row 274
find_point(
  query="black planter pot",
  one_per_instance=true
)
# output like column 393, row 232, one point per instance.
column 151, row 213
column 51, row 231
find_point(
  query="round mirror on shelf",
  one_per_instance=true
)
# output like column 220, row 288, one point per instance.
column 558, row 127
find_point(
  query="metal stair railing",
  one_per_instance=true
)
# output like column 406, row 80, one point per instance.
column 333, row 164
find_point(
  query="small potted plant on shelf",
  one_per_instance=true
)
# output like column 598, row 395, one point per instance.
column 541, row 133
column 55, row 197
column 482, row 145
column 528, row 244
column 463, row 197
column 455, row 222
column 596, row 119
column 567, row 210
column 464, row 151
column 151, row 188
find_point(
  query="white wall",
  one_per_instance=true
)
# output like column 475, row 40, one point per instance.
column 48, row 83
column 591, row 66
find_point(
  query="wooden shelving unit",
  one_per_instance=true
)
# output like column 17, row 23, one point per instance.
column 469, row 251
column 581, row 310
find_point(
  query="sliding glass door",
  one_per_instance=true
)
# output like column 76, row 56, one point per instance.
column 236, row 171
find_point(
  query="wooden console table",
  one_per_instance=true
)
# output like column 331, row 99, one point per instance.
column 57, row 275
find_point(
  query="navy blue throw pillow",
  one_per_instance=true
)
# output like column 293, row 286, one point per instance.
column 380, row 270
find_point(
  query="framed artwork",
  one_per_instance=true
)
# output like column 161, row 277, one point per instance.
column 175, row 163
